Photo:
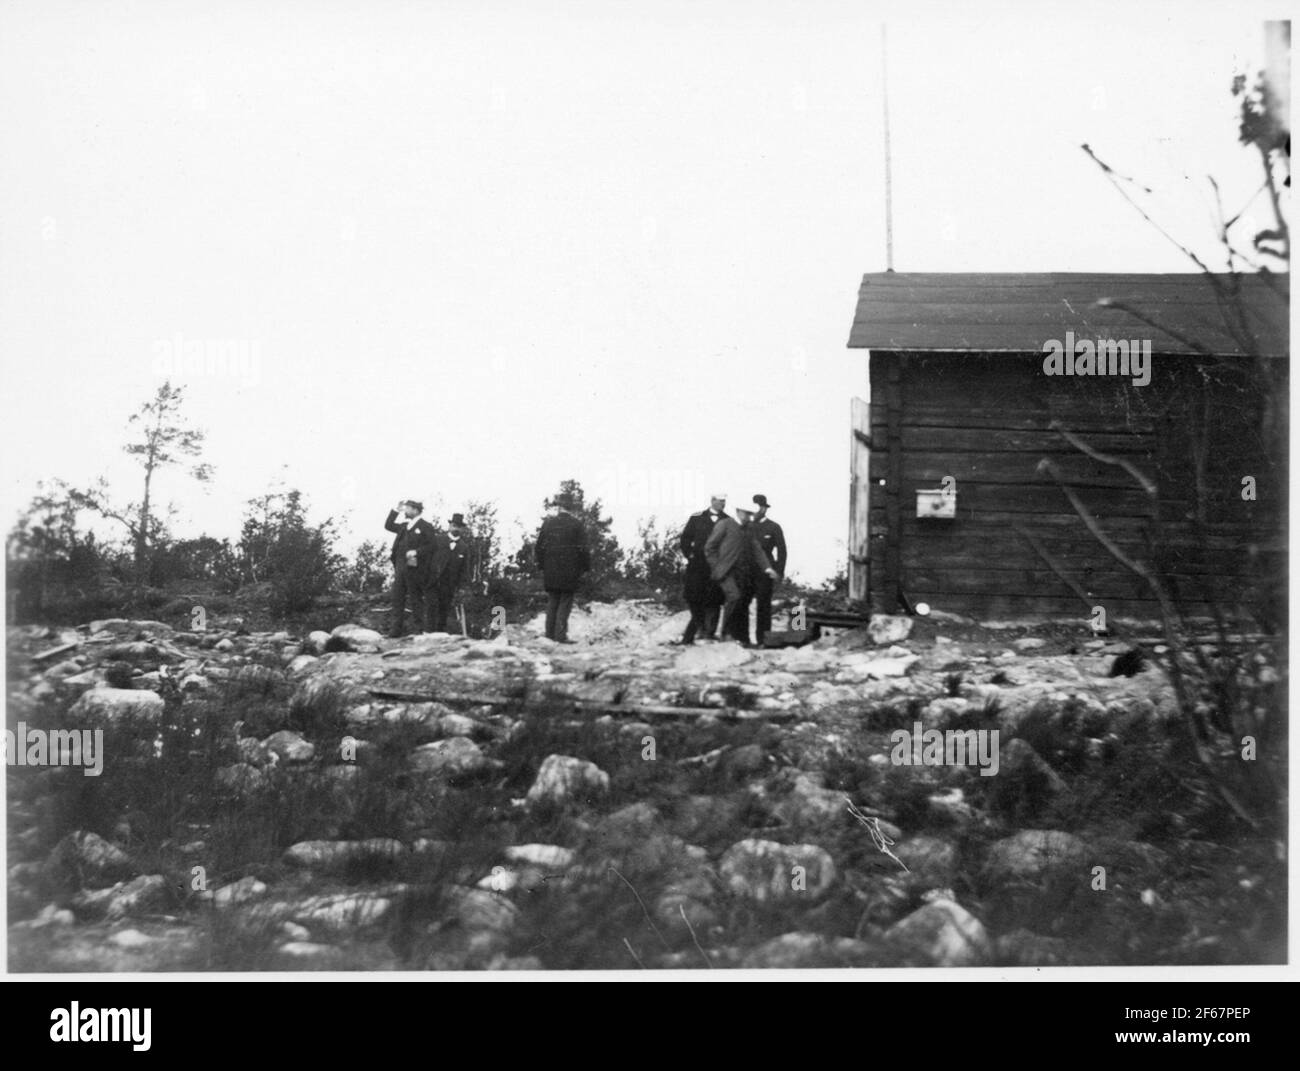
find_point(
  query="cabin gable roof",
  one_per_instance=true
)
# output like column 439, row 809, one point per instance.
column 1005, row 312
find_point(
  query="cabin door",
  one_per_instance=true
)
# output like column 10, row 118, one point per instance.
column 859, row 549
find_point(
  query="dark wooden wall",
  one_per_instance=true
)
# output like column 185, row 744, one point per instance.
column 986, row 421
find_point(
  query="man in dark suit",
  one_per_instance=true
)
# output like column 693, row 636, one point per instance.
column 562, row 555
column 412, row 552
column 446, row 572
column 736, row 560
column 772, row 540
column 703, row 596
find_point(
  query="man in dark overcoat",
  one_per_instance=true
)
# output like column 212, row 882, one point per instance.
column 736, row 560
column 563, row 557
column 411, row 555
column 447, row 569
column 702, row 595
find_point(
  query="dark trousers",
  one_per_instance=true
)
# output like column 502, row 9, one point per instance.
column 735, row 611
column 763, row 588
column 558, row 605
column 437, row 605
column 704, row 620
column 408, row 585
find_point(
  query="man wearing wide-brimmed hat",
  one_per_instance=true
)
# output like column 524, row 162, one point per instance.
column 736, row 560
column 412, row 552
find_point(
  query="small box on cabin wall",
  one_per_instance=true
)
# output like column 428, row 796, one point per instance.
column 938, row 504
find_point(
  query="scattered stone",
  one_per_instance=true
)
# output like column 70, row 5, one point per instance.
column 1026, row 773
column 1022, row 948
column 242, row 891
column 358, row 638
column 335, row 855
column 87, row 860
column 343, row 913
column 478, row 909
column 791, row 951
column 319, row 697
column 1033, row 853
column 141, row 895
column 454, row 757
column 941, row 933
column 951, row 807
column 50, row 915
column 675, row 902
column 316, row 641
column 931, row 861
column 240, row 778
column 945, row 712
column 301, row 664
column 712, row 657
column 763, row 870
column 543, row 855
column 562, row 778
column 297, row 955
column 1029, row 643
column 811, row 804
column 114, row 704
column 739, row 763
column 887, row 628
column 289, row 747
column 634, row 820
column 458, row 725
column 863, row 667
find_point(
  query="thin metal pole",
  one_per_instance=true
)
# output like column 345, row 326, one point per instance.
column 889, row 180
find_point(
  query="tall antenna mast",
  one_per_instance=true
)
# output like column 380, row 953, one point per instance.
column 889, row 180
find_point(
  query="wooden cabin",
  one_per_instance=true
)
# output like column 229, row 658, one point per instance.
column 971, row 464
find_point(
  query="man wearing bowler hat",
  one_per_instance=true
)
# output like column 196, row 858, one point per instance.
column 446, row 572
column 412, row 552
column 772, row 540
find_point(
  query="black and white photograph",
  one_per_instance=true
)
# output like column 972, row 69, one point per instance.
column 647, row 488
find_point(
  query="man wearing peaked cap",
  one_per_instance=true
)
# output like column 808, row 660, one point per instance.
column 772, row 541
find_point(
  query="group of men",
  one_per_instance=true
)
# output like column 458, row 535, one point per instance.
column 731, row 562
column 428, row 567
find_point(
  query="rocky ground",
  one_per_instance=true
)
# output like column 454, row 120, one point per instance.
column 342, row 801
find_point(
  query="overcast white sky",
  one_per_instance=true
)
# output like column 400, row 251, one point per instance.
column 478, row 248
